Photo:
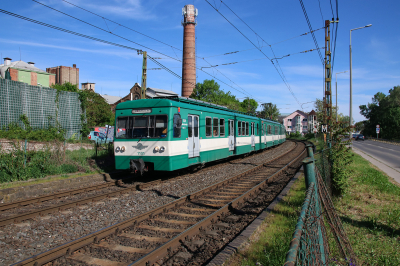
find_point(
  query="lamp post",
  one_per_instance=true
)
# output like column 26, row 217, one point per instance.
column 351, row 81
column 336, row 93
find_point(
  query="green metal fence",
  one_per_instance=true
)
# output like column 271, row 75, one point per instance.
column 319, row 237
column 40, row 106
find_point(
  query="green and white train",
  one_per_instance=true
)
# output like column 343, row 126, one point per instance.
column 175, row 133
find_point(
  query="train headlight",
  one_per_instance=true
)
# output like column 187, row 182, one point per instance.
column 157, row 148
column 122, row 148
column 117, row 149
column 162, row 149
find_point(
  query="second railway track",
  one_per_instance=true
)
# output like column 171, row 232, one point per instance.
column 161, row 232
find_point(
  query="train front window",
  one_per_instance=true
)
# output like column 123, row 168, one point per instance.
column 132, row 127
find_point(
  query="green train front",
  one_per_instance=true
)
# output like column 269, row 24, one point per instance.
column 166, row 135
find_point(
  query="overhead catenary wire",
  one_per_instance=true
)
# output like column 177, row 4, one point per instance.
column 235, row 52
column 177, row 59
column 280, row 74
column 120, row 25
column 310, row 27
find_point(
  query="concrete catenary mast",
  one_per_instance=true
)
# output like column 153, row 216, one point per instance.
column 189, row 50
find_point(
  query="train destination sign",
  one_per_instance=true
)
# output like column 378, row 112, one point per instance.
column 141, row 111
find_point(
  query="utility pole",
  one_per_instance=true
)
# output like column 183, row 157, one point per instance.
column 328, row 79
column 144, row 73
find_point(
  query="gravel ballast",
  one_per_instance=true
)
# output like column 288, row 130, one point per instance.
column 21, row 241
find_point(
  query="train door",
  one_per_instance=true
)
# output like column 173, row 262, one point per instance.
column 253, row 142
column 265, row 133
column 231, row 138
column 193, row 136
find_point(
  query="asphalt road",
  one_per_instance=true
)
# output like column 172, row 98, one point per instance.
column 388, row 154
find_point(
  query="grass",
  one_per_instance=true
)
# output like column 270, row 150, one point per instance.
column 370, row 213
column 18, row 166
column 269, row 247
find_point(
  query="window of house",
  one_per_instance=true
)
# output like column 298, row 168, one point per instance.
column 289, row 126
column 289, row 120
column 208, row 126
column 222, row 127
column 305, row 120
column 215, row 127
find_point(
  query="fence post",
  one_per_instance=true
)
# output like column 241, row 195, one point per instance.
column 310, row 178
column 25, row 153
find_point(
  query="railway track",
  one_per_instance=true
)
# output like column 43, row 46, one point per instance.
column 20, row 211
column 163, row 232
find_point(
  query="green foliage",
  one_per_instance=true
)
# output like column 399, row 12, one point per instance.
column 67, row 86
column 384, row 111
column 98, row 112
column 294, row 135
column 209, row 91
column 270, row 111
column 15, row 131
column 340, row 158
column 51, row 160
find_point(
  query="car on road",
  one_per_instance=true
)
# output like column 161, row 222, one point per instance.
column 99, row 137
column 360, row 137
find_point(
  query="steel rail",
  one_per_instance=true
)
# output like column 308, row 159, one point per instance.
column 7, row 206
column 95, row 237
column 162, row 251
column 60, row 207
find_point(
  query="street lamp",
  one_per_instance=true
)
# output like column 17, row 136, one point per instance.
column 351, row 80
column 336, row 93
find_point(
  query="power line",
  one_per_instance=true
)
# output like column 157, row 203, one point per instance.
column 120, row 25
column 235, row 52
column 168, row 70
column 310, row 27
column 103, row 29
column 114, row 44
column 280, row 74
column 320, row 11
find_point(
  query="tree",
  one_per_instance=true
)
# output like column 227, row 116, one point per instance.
column 385, row 112
column 209, row 91
column 67, row 86
column 98, row 111
column 270, row 111
column 249, row 105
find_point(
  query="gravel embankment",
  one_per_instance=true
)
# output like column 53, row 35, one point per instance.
column 21, row 241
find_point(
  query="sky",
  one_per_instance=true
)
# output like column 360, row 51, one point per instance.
column 274, row 29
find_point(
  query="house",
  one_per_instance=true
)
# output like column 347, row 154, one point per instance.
column 302, row 122
column 26, row 72
column 135, row 94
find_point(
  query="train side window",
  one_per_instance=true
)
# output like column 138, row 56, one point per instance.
column 215, row 127
column 190, row 129
column 177, row 125
column 243, row 128
column 239, row 128
column 196, row 127
column 222, row 127
column 257, row 129
column 208, row 126
column 247, row 128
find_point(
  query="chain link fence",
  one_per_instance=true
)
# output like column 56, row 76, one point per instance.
column 41, row 107
column 319, row 237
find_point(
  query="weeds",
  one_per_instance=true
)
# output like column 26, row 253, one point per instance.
column 16, row 165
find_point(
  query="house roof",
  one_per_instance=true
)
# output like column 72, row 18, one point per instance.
column 312, row 113
column 20, row 65
column 110, row 99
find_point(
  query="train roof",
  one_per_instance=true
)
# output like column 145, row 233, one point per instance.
column 179, row 102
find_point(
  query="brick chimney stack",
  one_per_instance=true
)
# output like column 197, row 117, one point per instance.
column 189, row 50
